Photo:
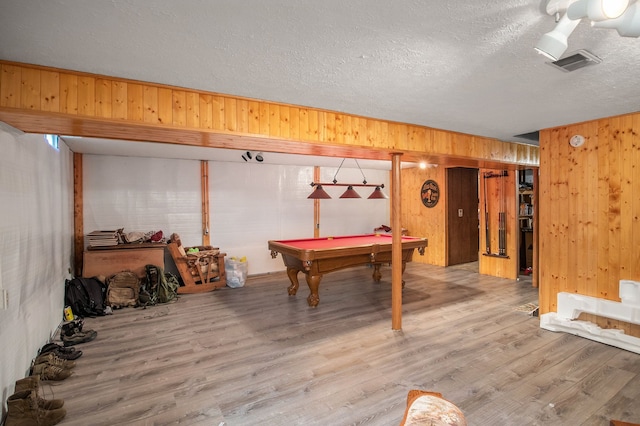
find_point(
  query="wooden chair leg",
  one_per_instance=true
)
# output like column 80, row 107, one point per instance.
column 209, row 259
column 199, row 266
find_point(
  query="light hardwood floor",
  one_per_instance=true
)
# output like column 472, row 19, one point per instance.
column 256, row 356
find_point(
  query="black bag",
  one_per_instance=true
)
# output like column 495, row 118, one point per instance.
column 85, row 296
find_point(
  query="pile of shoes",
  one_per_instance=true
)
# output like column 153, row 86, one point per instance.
column 51, row 367
column 54, row 362
column 26, row 407
column 60, row 351
column 73, row 334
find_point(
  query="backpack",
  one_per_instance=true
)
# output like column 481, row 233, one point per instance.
column 85, row 296
column 159, row 287
column 168, row 289
column 149, row 290
column 123, row 289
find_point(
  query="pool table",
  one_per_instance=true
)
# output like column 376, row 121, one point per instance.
column 317, row 256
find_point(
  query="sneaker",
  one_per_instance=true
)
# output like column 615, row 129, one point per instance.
column 52, row 359
column 49, row 372
column 77, row 338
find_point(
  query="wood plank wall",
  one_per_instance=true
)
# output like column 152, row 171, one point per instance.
column 500, row 196
column 589, row 212
column 47, row 100
column 421, row 221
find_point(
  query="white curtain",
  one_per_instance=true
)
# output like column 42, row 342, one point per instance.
column 36, row 246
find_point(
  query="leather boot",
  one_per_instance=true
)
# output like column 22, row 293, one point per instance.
column 72, row 328
column 51, row 358
column 32, row 383
column 80, row 337
column 50, row 372
column 60, row 351
column 23, row 410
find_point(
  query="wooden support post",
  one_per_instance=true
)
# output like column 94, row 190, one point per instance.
column 396, row 241
column 78, row 215
column 316, row 206
column 536, row 229
column 204, row 177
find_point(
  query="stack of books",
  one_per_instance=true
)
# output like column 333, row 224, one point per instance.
column 102, row 238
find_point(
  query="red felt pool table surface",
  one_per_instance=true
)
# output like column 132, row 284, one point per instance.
column 343, row 241
column 318, row 256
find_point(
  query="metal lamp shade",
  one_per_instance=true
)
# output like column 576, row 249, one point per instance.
column 319, row 194
column 350, row 193
column 377, row 193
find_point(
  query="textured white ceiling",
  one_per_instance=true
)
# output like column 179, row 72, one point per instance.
column 466, row 66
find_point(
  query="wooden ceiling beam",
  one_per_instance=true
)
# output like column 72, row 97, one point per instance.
column 38, row 99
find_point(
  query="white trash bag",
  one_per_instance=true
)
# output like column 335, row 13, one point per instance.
column 236, row 270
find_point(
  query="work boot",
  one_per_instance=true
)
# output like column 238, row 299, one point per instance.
column 50, row 372
column 77, row 338
column 23, row 410
column 71, row 328
column 53, row 359
column 32, row 383
column 61, row 351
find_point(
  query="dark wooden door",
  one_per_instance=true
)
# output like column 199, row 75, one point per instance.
column 463, row 235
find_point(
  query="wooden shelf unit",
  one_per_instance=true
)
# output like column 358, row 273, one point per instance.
column 525, row 219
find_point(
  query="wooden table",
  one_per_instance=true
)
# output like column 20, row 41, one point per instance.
column 318, row 256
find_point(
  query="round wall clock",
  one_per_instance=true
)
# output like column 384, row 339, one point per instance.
column 430, row 193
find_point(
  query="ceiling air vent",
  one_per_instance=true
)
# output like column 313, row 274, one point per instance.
column 579, row 59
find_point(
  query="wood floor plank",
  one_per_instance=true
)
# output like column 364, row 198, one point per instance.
column 256, row 356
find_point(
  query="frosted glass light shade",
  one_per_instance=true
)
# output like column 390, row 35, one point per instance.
column 627, row 25
column 597, row 10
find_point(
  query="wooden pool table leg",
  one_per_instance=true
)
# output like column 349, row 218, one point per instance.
column 313, row 281
column 377, row 276
column 293, row 277
column 404, row 266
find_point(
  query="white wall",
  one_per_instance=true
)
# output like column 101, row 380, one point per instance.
column 250, row 203
column 352, row 216
column 36, row 247
column 143, row 194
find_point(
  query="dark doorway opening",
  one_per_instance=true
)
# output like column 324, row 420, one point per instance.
column 463, row 234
